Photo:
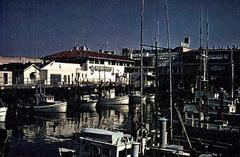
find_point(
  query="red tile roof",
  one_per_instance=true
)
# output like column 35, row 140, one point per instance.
column 86, row 54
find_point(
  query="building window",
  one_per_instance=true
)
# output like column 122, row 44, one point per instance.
column 5, row 77
column 91, row 61
column 55, row 78
column 96, row 61
column 101, row 61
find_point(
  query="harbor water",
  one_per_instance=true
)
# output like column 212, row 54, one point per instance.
column 40, row 134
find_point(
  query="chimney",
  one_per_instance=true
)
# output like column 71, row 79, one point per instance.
column 75, row 48
column 101, row 51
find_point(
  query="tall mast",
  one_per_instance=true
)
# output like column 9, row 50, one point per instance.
column 232, row 88
column 170, row 73
column 200, row 65
column 141, row 69
column 141, row 77
column 205, row 55
column 207, row 30
column 156, row 83
column 205, row 72
column 158, row 32
column 200, row 27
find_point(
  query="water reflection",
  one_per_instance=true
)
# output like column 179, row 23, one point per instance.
column 39, row 134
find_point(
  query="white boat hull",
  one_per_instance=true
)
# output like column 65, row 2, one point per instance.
column 123, row 100
column 3, row 113
column 57, row 106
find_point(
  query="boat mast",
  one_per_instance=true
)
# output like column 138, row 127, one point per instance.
column 201, row 22
column 141, row 67
column 200, row 67
column 232, row 88
column 170, row 73
column 141, row 78
column 205, row 68
column 35, row 79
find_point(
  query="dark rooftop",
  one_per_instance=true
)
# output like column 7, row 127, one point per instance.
column 75, row 54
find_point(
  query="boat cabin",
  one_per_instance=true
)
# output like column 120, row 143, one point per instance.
column 103, row 143
column 49, row 99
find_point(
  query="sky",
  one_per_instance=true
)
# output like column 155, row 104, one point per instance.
column 42, row 27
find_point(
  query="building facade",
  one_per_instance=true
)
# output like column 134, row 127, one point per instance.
column 5, row 78
column 61, row 73
column 221, row 64
column 91, row 67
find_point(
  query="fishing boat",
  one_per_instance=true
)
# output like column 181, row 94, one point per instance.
column 102, row 143
column 45, row 103
column 48, row 105
column 110, row 98
column 88, row 102
column 99, row 142
column 3, row 113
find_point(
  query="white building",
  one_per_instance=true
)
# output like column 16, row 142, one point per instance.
column 61, row 73
column 31, row 74
column 5, row 78
column 82, row 65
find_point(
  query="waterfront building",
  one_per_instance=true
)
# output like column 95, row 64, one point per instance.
column 31, row 74
column 219, row 69
column 94, row 67
column 149, row 64
column 21, row 74
column 57, row 73
column 187, row 67
column 5, row 78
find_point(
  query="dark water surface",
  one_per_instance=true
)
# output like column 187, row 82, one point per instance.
column 40, row 134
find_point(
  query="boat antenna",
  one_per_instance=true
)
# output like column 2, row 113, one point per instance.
column 170, row 72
